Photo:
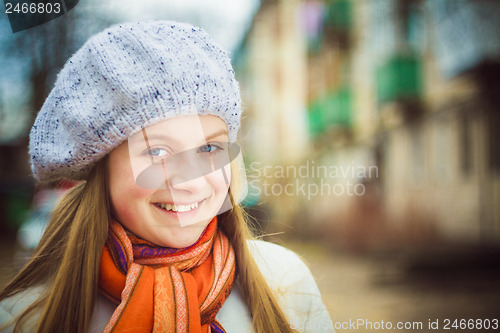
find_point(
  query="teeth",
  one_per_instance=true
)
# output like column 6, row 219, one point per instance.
column 178, row 208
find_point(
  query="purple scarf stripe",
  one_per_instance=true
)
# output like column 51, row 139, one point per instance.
column 216, row 328
column 121, row 253
column 142, row 249
column 145, row 251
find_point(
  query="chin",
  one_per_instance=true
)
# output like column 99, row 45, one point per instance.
column 180, row 237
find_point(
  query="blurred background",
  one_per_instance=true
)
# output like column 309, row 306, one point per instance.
column 371, row 133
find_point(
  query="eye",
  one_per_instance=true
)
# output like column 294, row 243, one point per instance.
column 210, row 148
column 157, row 152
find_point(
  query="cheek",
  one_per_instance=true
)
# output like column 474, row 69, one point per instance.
column 123, row 184
column 130, row 206
column 122, row 211
column 217, row 181
column 127, row 199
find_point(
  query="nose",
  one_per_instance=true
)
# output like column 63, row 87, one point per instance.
column 180, row 183
column 186, row 172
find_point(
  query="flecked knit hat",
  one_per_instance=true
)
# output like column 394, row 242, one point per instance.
column 122, row 80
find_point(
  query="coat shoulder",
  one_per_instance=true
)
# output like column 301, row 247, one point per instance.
column 12, row 307
column 278, row 263
column 294, row 285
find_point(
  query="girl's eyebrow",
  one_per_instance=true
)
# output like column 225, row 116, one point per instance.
column 217, row 134
column 157, row 136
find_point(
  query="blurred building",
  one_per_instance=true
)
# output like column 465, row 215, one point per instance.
column 272, row 68
column 437, row 124
column 277, row 92
column 400, row 96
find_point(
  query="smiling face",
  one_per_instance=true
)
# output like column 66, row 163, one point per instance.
column 163, row 184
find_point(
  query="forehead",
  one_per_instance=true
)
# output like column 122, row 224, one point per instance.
column 185, row 129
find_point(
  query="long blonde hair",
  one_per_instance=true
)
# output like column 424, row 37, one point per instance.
column 68, row 256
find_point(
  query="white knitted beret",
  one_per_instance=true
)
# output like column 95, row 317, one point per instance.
column 122, row 80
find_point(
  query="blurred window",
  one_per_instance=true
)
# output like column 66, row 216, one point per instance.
column 383, row 28
column 466, row 160
column 494, row 133
column 442, row 149
column 417, row 153
column 416, row 28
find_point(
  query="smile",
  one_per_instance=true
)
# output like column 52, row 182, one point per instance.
column 177, row 208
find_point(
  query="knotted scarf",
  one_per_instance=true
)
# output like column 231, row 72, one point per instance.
column 161, row 289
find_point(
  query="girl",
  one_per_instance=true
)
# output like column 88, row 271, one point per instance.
column 153, row 238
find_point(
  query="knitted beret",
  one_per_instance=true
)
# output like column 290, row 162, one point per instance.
column 123, row 79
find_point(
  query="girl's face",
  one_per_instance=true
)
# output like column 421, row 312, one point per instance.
column 175, row 212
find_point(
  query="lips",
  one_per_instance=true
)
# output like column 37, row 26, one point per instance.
column 179, row 208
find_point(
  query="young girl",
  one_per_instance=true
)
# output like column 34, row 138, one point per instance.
column 153, row 238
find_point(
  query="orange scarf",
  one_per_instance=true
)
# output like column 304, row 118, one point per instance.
column 166, row 290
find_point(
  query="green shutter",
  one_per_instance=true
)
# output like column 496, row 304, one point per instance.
column 399, row 79
column 338, row 14
column 338, row 108
column 332, row 110
column 316, row 123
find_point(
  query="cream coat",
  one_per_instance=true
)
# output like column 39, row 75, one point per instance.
column 286, row 274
